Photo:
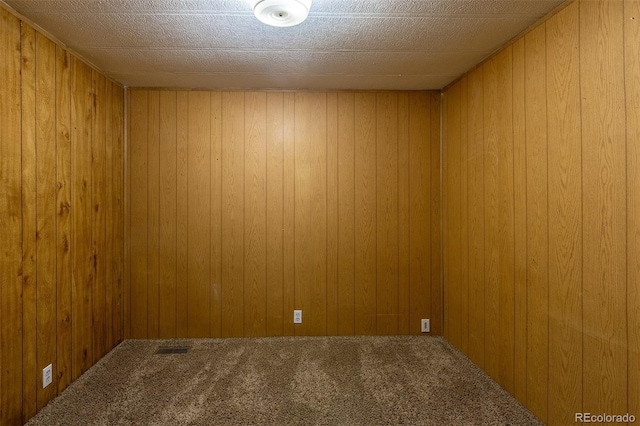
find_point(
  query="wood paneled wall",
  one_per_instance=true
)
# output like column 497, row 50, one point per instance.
column 541, row 213
column 247, row 205
column 61, row 217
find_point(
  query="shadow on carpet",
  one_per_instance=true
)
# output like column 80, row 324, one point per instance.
column 411, row 380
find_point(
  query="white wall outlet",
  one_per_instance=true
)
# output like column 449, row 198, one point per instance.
column 297, row 316
column 47, row 376
column 426, row 325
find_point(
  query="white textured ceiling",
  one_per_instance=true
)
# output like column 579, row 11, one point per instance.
column 357, row 44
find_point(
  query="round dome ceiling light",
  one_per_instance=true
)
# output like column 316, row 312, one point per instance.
column 282, row 13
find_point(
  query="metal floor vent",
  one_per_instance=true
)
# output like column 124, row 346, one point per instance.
column 166, row 350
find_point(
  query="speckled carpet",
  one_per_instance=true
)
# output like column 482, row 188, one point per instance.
column 286, row 381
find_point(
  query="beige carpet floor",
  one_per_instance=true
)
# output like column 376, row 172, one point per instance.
column 286, row 381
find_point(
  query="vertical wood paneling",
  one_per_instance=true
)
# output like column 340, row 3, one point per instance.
column 153, row 216
column 199, row 210
column 365, row 213
column 275, row 214
column 404, row 155
column 167, row 168
column 109, row 211
column 216, row 214
column 420, row 217
column 332, row 214
column 560, row 236
column 281, row 209
column 346, row 214
column 602, row 88
column 632, row 82
column 63, row 220
column 436, row 283
column 311, row 211
column 520, row 221
column 452, row 216
column 565, row 216
column 255, row 215
column 10, row 222
column 289, row 212
column 233, row 134
column 506, row 222
column 81, row 136
column 138, row 210
column 29, row 223
column 182, row 237
column 53, row 184
column 387, row 213
column 46, row 217
column 537, row 225
column 464, row 217
column 491, row 213
column 119, row 240
column 117, row 223
column 476, row 217
column 127, row 293
column 98, row 216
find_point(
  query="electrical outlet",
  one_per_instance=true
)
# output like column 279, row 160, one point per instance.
column 297, row 316
column 426, row 326
column 47, row 376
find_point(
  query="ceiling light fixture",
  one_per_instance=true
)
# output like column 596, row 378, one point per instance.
column 282, row 13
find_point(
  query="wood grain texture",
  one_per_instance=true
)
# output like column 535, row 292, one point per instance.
column 463, row 298
column 281, row 175
column 52, row 157
column 332, row 214
column 98, row 216
column 448, row 100
column 153, row 216
column 436, row 284
column 420, row 218
column 311, row 212
column 565, row 216
column 10, row 222
column 111, row 232
column 216, row 215
column 452, row 216
column 127, row 307
column 120, row 242
column 116, row 223
column 365, row 213
column 29, row 224
column 199, row 210
column 182, row 209
column 46, row 217
column 289, row 169
column 63, row 218
column 563, row 278
column 537, row 222
column 404, row 300
column 346, row 214
column 167, row 219
column 632, row 83
column 506, row 221
column 604, row 192
column 139, row 107
column 275, row 214
column 520, row 221
column 81, row 136
column 233, row 134
column 475, row 158
column 255, row 215
column 491, row 213
column 387, row 213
